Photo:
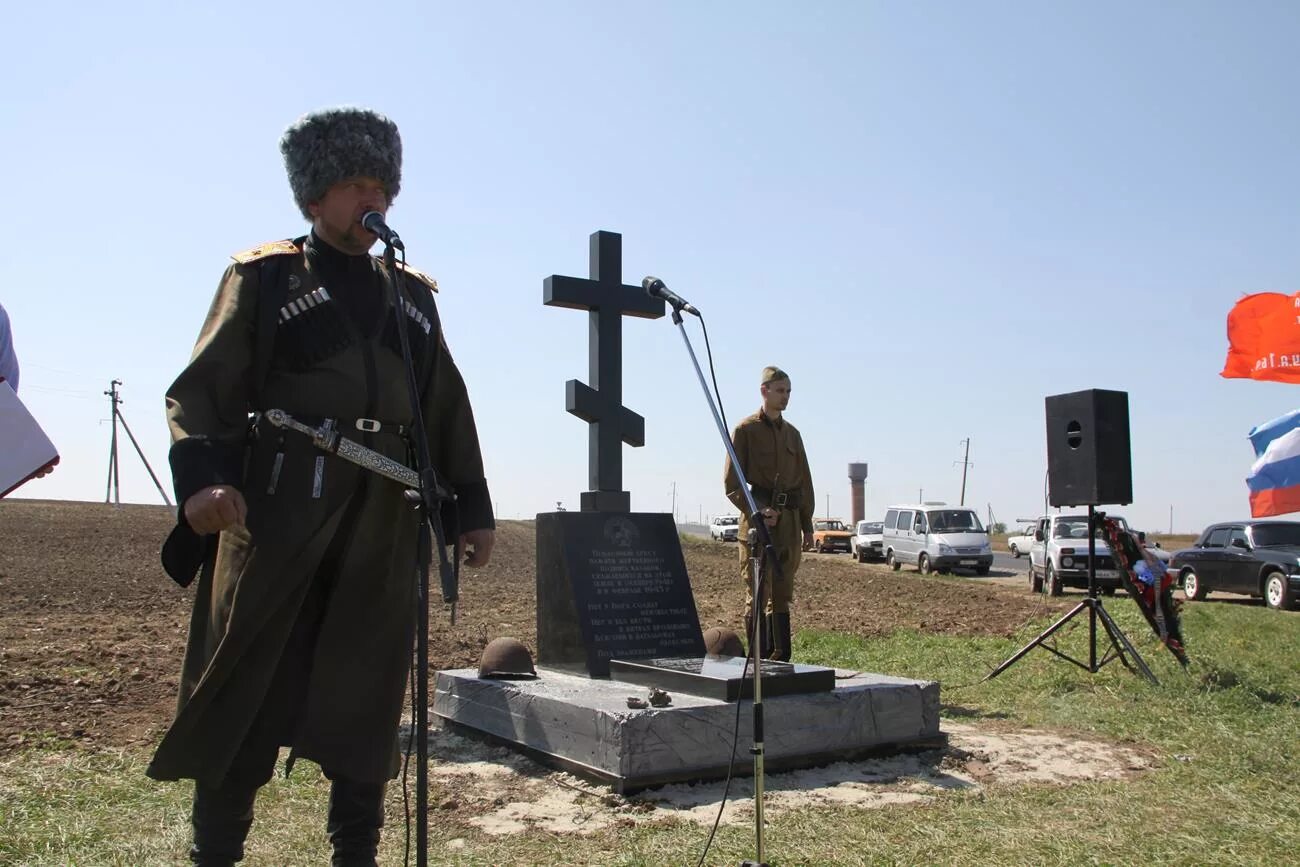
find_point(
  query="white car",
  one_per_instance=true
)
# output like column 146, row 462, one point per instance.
column 1022, row 541
column 724, row 528
column 868, row 542
column 1059, row 556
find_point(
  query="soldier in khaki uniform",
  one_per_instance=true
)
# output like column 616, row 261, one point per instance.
column 305, row 607
column 772, row 456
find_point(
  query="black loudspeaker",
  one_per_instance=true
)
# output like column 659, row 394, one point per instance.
column 1088, row 462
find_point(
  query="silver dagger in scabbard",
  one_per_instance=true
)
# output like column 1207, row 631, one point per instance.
column 327, row 439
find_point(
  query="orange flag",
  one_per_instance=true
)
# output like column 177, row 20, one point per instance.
column 1264, row 338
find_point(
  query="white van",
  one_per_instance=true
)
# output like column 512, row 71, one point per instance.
column 934, row 536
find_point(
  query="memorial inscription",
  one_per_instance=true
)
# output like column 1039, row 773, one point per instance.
column 612, row 586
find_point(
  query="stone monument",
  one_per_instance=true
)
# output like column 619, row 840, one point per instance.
column 615, row 617
column 611, row 583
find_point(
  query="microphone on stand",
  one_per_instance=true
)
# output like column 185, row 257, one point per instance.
column 374, row 222
column 655, row 288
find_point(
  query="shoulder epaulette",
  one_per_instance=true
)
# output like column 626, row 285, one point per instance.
column 273, row 248
column 421, row 276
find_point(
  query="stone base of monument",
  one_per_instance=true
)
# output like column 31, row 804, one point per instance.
column 585, row 726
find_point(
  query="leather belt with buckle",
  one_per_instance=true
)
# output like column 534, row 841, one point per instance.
column 782, row 500
column 371, row 425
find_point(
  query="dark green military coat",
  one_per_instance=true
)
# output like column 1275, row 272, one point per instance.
column 336, row 357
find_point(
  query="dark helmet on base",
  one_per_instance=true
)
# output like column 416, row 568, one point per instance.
column 721, row 641
column 506, row 658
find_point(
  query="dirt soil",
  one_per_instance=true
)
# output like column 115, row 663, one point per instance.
column 92, row 631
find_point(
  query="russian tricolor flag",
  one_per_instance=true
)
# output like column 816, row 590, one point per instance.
column 1274, row 479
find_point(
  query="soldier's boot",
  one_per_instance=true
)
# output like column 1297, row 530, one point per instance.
column 778, row 626
column 356, row 814
column 221, row 818
column 765, row 649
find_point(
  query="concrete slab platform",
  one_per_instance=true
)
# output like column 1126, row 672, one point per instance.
column 585, row 726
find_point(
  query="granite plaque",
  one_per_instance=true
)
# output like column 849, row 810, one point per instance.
column 725, row 678
column 612, row 585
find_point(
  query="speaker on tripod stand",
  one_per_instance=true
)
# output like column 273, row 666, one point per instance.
column 1088, row 463
column 1088, row 460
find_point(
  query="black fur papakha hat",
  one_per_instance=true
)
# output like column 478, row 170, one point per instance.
column 331, row 145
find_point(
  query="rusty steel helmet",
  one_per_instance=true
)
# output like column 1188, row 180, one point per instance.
column 506, row 658
column 721, row 641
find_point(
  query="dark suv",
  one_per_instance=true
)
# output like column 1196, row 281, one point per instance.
column 1260, row 558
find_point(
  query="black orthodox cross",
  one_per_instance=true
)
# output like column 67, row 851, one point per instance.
column 601, row 403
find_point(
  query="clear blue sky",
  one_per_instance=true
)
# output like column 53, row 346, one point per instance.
column 932, row 214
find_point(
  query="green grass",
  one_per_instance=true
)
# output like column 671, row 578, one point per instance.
column 1225, row 736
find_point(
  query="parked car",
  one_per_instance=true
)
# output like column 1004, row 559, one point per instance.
column 1022, row 541
column 936, row 537
column 724, row 528
column 1259, row 558
column 868, row 542
column 831, row 534
column 1059, row 556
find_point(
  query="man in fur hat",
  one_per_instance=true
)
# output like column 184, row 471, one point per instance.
column 306, row 601
column 772, row 457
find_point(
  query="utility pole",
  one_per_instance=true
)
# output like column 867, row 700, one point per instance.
column 674, row 502
column 114, row 477
column 920, row 495
column 965, row 464
column 1171, row 519
column 828, row 507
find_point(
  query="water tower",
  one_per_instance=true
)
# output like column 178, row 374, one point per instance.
column 857, row 491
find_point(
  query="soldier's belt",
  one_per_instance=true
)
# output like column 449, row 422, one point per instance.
column 328, row 439
column 779, row 500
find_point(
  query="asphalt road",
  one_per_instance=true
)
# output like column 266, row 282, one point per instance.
column 1003, row 562
column 1004, row 566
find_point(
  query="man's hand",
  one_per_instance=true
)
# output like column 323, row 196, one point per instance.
column 480, row 543
column 771, row 516
column 807, row 540
column 215, row 508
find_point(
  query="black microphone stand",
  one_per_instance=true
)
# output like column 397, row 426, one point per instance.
column 428, row 501
column 760, row 549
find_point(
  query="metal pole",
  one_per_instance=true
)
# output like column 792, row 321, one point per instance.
column 1092, row 589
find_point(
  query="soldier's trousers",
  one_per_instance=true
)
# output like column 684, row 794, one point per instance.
column 787, row 539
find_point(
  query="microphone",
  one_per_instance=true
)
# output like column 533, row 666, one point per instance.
column 374, row 221
column 655, row 288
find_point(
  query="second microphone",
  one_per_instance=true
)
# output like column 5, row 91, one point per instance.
column 655, row 288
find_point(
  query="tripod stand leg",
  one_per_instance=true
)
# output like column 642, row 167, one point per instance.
column 1037, row 641
column 1122, row 644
